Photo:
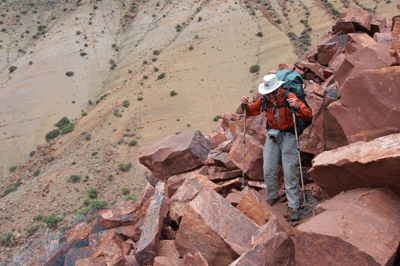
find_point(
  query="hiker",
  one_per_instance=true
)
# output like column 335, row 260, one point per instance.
column 280, row 140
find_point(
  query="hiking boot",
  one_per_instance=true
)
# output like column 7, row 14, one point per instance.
column 294, row 214
column 272, row 202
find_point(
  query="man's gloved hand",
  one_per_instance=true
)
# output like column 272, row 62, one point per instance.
column 293, row 103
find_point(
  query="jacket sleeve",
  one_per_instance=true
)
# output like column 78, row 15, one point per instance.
column 253, row 109
column 303, row 112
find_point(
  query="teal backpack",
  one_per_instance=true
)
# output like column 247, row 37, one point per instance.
column 292, row 82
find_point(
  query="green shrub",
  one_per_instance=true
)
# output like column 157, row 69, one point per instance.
column 125, row 103
column 83, row 53
column 64, row 121
column 133, row 143
column 92, row 193
column 95, row 7
column 124, row 167
column 140, row 98
column 86, row 202
column 32, row 153
column 254, row 68
column 69, row 73
column 131, row 197
column 13, row 168
column 12, row 188
column 217, row 118
column 88, row 137
column 125, row 191
column 94, row 153
column 12, row 68
column 145, row 77
column 78, row 32
column 51, row 221
column 68, row 128
column 156, row 69
column 31, row 230
column 278, row 21
column 6, row 239
column 36, row 173
column 30, row 62
column 154, row 59
column 156, row 52
column 259, row 34
column 34, row 36
column 51, row 158
column 173, row 93
column 84, row 114
column 38, row 217
column 74, row 178
column 3, row 30
column 161, row 76
column 99, row 204
column 110, row 178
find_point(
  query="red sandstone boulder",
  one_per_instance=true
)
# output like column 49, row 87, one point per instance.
column 113, row 249
column 253, row 127
column 174, row 182
column 151, row 229
column 100, row 261
column 253, row 167
column 383, row 37
column 378, row 24
column 211, row 219
column 395, row 42
column 165, row 261
column 148, row 193
column 167, row 248
column 194, row 260
column 370, row 105
column 187, row 192
column 373, row 164
column 175, row 154
column 360, row 227
column 81, row 231
column 123, row 214
column 357, row 41
column 251, row 207
column 326, row 52
column 359, row 18
column 216, row 138
column 372, row 57
column 277, row 250
column 316, row 68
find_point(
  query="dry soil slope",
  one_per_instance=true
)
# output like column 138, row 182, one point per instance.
column 209, row 80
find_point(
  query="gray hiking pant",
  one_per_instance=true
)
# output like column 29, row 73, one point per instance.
column 271, row 154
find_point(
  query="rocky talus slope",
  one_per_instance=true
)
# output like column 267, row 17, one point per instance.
column 193, row 209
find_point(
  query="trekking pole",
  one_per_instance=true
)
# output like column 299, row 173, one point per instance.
column 298, row 152
column 244, row 142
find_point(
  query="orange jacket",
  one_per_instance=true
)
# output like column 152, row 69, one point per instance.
column 285, row 121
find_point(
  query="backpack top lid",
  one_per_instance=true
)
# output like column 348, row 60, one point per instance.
column 292, row 82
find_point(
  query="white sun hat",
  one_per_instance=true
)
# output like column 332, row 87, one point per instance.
column 270, row 84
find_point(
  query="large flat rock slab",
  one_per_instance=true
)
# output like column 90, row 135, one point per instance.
column 151, row 229
column 358, row 227
column 253, row 164
column 361, row 164
column 277, row 250
column 212, row 219
column 176, row 154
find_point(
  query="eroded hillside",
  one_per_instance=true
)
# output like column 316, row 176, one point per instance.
column 118, row 52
